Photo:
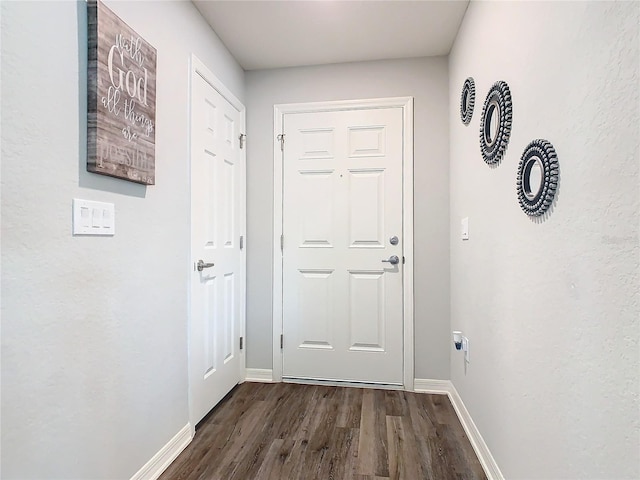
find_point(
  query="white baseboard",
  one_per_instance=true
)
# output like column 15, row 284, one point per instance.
column 487, row 461
column 263, row 375
column 167, row 454
column 424, row 385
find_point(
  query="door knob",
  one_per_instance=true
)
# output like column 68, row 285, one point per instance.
column 393, row 260
column 202, row 265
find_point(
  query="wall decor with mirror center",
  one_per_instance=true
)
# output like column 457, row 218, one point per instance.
column 467, row 100
column 495, row 123
column 538, row 175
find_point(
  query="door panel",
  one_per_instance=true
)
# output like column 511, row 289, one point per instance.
column 366, row 141
column 366, row 208
column 342, row 201
column 317, row 144
column 315, row 302
column 229, row 199
column 217, row 186
column 316, row 209
column 366, row 311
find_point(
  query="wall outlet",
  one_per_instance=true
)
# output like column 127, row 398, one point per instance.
column 464, row 228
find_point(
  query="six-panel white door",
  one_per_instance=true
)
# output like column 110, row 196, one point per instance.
column 342, row 205
column 217, row 213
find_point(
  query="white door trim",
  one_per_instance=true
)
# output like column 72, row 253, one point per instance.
column 197, row 67
column 406, row 103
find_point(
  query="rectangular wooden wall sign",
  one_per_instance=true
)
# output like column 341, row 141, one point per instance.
column 121, row 91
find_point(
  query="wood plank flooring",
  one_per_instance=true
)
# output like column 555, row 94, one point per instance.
column 285, row 431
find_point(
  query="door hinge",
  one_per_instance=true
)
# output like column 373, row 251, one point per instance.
column 241, row 338
column 241, row 242
column 282, row 243
column 280, row 138
column 403, row 260
column 281, row 341
column 242, row 138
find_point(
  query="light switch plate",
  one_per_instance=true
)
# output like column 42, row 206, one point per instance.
column 93, row 218
column 464, row 228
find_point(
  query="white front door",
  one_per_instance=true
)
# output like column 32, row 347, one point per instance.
column 217, row 223
column 342, row 223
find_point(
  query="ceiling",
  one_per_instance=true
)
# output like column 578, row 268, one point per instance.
column 287, row 33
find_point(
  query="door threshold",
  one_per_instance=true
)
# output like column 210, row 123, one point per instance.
column 343, row 383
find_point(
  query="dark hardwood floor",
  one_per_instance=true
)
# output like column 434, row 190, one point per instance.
column 287, row 431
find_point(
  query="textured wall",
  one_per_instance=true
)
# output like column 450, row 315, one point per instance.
column 551, row 307
column 426, row 80
column 94, row 330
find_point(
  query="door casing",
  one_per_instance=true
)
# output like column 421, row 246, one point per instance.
column 406, row 103
column 197, row 67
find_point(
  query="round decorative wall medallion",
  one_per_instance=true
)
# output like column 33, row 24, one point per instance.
column 538, row 174
column 495, row 124
column 467, row 100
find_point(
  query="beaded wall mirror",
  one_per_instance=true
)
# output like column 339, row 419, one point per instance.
column 537, row 180
column 467, row 100
column 495, row 123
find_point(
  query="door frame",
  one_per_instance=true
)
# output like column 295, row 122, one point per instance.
column 279, row 110
column 197, row 67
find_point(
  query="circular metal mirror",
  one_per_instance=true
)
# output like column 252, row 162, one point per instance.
column 467, row 100
column 495, row 123
column 538, row 175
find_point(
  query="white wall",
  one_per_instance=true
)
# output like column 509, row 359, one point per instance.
column 94, row 344
column 426, row 80
column 551, row 307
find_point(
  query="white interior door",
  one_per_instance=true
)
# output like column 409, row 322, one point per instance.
column 217, row 223
column 342, row 223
